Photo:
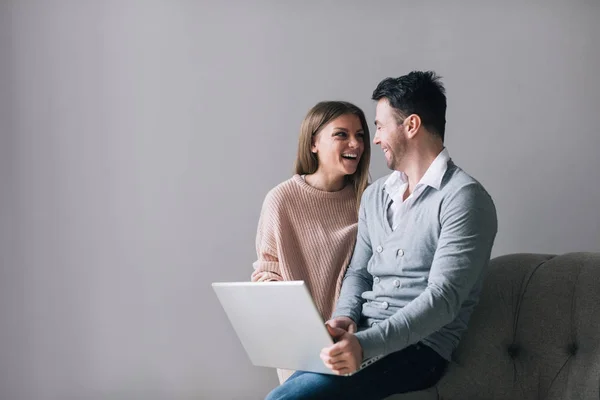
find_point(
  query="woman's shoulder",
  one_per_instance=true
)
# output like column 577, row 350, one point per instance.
column 280, row 194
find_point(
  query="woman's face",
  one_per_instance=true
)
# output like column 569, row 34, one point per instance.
column 339, row 145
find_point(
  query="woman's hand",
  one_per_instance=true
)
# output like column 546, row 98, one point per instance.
column 344, row 323
column 265, row 276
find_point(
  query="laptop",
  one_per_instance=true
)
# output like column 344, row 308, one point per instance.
column 278, row 324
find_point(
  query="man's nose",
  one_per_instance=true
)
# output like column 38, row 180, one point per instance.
column 376, row 138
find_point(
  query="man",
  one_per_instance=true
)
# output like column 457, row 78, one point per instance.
column 425, row 235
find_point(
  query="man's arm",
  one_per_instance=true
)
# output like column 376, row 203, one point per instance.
column 357, row 279
column 468, row 229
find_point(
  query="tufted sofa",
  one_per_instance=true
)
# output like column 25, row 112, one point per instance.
column 534, row 335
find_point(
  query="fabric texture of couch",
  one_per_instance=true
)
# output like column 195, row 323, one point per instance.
column 534, row 335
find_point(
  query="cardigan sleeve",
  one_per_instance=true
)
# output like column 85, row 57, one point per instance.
column 468, row 228
column 357, row 279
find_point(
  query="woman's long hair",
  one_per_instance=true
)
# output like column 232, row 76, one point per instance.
column 319, row 116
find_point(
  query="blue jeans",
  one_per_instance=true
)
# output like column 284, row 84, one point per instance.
column 415, row 368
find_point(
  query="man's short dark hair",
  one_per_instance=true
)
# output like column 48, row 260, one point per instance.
column 419, row 92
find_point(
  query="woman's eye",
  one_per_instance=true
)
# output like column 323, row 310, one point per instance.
column 342, row 134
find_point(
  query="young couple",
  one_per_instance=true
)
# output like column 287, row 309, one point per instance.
column 394, row 267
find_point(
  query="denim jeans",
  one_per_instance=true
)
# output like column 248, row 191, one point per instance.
column 415, row 368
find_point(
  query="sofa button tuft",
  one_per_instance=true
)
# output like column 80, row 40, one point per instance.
column 513, row 350
column 573, row 348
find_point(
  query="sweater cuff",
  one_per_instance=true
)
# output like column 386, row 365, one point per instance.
column 372, row 342
column 346, row 312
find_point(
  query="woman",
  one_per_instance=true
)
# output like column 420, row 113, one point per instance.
column 307, row 227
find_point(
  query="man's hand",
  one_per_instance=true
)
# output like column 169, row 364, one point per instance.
column 345, row 356
column 343, row 323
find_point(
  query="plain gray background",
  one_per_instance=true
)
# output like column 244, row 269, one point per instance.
column 138, row 139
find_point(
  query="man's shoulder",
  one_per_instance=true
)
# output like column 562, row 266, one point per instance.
column 371, row 197
column 456, row 177
column 459, row 185
column 376, row 187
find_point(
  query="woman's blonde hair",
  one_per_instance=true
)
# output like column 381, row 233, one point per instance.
column 319, row 116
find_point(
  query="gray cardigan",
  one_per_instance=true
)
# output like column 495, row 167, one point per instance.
column 421, row 282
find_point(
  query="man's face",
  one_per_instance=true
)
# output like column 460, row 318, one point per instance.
column 390, row 135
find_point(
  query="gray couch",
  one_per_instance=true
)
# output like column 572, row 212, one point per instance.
column 534, row 335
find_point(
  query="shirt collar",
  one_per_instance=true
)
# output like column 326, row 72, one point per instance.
column 395, row 183
column 432, row 177
column 435, row 173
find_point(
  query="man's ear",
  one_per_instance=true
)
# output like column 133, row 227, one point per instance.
column 412, row 125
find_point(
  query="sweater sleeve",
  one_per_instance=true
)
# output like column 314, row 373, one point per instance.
column 266, row 267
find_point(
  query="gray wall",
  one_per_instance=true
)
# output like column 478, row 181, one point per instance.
column 139, row 138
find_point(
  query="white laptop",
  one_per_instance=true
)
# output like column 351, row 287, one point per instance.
column 277, row 324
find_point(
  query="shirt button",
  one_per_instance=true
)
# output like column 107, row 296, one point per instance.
column 376, row 279
column 397, row 282
column 400, row 252
column 385, row 305
column 374, row 323
column 379, row 249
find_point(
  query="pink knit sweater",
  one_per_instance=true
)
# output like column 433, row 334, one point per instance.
column 307, row 234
